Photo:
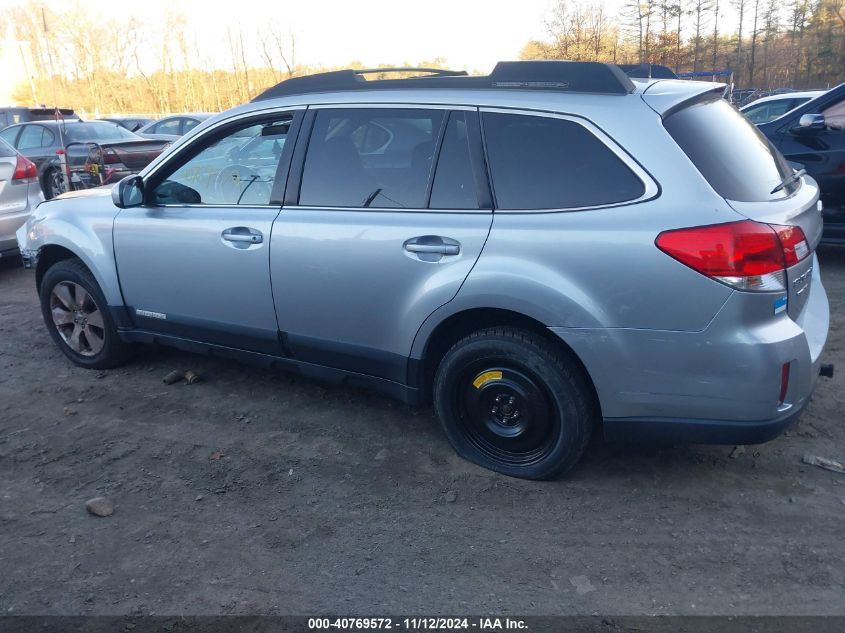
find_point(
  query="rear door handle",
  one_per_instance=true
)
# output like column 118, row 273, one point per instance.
column 432, row 245
column 242, row 236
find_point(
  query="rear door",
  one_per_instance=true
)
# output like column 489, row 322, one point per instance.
column 820, row 151
column 371, row 240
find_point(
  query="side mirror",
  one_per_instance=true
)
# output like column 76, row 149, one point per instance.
column 812, row 122
column 129, row 192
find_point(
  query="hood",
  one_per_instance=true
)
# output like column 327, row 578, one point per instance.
column 96, row 192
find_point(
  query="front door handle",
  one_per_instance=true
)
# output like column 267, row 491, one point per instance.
column 432, row 247
column 242, row 236
column 442, row 249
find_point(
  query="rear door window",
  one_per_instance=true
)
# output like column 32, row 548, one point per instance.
column 10, row 135
column 541, row 162
column 729, row 151
column 31, row 137
column 370, row 157
column 6, row 150
column 170, row 126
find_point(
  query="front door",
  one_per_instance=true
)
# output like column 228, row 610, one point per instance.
column 194, row 260
column 822, row 153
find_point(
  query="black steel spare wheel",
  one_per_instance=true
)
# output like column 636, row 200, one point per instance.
column 507, row 413
column 515, row 402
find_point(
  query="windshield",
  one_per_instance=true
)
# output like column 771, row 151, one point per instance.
column 97, row 131
column 730, row 152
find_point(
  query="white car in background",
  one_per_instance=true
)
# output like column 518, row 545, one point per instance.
column 775, row 106
column 20, row 193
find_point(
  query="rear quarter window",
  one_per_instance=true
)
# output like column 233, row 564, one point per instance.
column 541, row 162
column 730, row 152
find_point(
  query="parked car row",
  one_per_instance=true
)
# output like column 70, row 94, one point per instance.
column 122, row 152
column 809, row 130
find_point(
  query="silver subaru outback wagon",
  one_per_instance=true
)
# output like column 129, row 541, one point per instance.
column 541, row 252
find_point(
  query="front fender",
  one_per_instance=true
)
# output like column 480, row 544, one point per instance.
column 83, row 226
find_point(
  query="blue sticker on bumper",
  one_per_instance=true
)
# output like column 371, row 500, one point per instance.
column 780, row 304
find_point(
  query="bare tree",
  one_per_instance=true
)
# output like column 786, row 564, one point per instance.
column 700, row 8
column 739, row 6
column 715, row 34
column 754, row 33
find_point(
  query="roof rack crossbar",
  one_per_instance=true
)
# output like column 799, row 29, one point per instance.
column 585, row 77
column 437, row 72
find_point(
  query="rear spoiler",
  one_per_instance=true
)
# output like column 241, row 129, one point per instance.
column 52, row 111
column 666, row 97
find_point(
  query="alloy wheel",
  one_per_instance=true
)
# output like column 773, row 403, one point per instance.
column 77, row 318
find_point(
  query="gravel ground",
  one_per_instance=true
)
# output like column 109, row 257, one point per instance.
column 254, row 492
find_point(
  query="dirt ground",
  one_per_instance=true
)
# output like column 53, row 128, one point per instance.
column 254, row 492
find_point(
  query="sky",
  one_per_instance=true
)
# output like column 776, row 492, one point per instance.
column 470, row 34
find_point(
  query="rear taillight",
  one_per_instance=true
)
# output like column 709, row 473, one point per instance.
column 795, row 247
column 24, row 169
column 110, row 156
column 746, row 255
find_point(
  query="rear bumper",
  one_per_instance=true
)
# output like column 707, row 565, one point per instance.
column 720, row 385
column 694, row 431
column 9, row 224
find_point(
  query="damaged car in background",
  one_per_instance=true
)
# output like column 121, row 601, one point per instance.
column 95, row 152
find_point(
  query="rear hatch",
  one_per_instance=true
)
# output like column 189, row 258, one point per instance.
column 752, row 176
column 13, row 193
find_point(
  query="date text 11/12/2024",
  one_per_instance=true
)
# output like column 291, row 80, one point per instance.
column 418, row 624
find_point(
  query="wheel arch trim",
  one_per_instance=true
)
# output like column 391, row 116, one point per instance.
column 96, row 260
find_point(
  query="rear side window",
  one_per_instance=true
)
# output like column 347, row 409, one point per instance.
column 370, row 157
column 729, row 151
column 540, row 162
column 454, row 183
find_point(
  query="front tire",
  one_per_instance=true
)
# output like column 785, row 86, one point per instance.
column 77, row 317
column 510, row 401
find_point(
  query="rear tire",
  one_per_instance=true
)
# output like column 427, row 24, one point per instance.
column 54, row 184
column 77, row 317
column 509, row 401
